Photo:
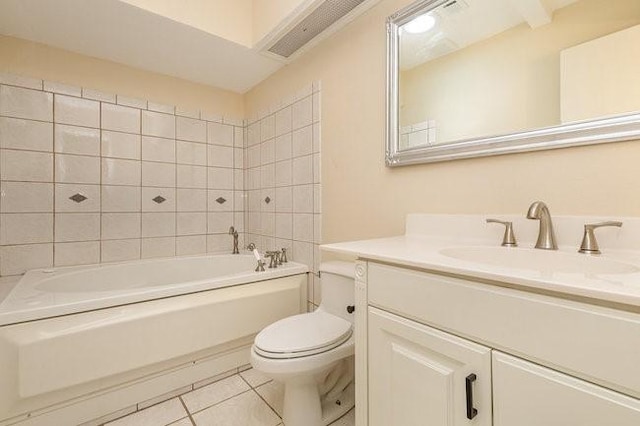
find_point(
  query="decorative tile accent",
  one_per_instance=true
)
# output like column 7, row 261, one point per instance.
column 220, row 200
column 159, row 199
column 78, row 198
column 267, row 200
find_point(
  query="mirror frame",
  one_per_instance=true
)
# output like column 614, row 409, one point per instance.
column 588, row 132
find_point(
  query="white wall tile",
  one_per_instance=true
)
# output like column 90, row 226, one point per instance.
column 18, row 80
column 192, row 176
column 149, row 205
column 20, row 197
column 302, row 170
column 284, row 225
column 77, row 169
column 97, row 95
column 220, row 134
column 26, row 134
column 116, row 226
column 158, row 247
column 120, row 172
column 253, row 156
column 187, row 112
column 302, row 142
column 268, row 175
column 303, row 227
column 121, row 145
column 63, row 89
column 317, row 229
column 191, row 153
column 219, row 243
column 317, row 168
column 317, row 198
column 267, row 128
column 219, row 223
column 120, row 250
column 26, row 166
column 253, row 134
column 76, row 111
column 301, row 113
column 121, row 198
column 238, row 158
column 220, row 178
column 283, row 149
column 16, row 260
column 77, row 140
column 120, row 118
column 25, row 103
column 268, row 224
column 189, row 129
column 158, row 174
column 167, row 109
column 283, row 173
column 158, row 124
column 191, row 223
column 132, row 102
column 316, row 137
column 158, row 225
column 190, row 245
column 238, row 179
column 284, row 199
column 77, row 227
column 238, row 137
column 220, row 156
column 303, row 199
column 64, row 203
column 81, row 253
column 26, row 228
column 267, row 152
column 283, row 121
column 158, row 149
column 316, row 106
column 303, row 253
column 192, row 200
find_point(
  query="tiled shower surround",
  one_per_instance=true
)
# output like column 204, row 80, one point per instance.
column 89, row 177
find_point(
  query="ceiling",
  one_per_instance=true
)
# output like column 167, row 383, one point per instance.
column 471, row 21
column 120, row 32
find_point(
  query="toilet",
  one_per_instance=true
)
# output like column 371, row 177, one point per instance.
column 312, row 354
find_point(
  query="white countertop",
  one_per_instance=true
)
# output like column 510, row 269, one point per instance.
column 428, row 235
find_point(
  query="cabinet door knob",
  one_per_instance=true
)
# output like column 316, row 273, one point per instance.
column 471, row 412
column 351, row 308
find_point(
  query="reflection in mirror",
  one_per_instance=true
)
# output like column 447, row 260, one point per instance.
column 470, row 69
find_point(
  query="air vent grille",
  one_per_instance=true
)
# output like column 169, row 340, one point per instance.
column 323, row 16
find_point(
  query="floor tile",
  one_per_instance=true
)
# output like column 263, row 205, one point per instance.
column 246, row 409
column 214, row 393
column 182, row 422
column 273, row 393
column 254, row 377
column 161, row 414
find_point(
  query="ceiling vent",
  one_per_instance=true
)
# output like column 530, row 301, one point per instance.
column 322, row 16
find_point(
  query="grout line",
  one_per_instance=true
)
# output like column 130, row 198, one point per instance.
column 186, row 409
column 265, row 401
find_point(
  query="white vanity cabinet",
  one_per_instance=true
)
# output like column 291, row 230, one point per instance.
column 531, row 359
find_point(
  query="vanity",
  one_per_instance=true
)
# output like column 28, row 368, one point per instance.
column 454, row 329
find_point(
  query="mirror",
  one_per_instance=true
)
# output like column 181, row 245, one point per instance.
column 471, row 78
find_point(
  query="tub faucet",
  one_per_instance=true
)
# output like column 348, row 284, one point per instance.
column 546, row 237
column 232, row 231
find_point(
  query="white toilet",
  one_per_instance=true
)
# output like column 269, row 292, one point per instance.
column 312, row 354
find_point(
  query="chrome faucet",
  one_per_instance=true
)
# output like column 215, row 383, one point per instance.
column 546, row 237
column 232, row 231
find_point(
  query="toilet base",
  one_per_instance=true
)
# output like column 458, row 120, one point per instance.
column 302, row 405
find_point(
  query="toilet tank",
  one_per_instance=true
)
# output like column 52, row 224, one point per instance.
column 337, row 281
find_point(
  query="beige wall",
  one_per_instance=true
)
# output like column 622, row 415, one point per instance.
column 362, row 198
column 510, row 82
column 22, row 57
column 224, row 18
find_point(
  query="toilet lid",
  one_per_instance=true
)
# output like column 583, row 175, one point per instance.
column 303, row 335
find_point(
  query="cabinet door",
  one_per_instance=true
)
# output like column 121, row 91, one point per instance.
column 527, row 394
column 422, row 376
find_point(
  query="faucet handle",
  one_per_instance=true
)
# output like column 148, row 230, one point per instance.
column 589, row 243
column 509, row 238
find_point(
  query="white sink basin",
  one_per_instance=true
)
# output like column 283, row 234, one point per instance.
column 546, row 261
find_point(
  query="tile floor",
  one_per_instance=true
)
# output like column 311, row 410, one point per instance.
column 244, row 399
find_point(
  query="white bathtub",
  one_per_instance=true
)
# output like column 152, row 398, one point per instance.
column 79, row 343
column 45, row 293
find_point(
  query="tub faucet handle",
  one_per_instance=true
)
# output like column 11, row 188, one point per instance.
column 589, row 243
column 283, row 256
column 251, row 247
column 509, row 238
column 260, row 267
column 273, row 260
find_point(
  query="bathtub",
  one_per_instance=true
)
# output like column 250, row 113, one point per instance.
column 81, row 342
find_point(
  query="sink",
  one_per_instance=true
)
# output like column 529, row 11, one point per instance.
column 545, row 261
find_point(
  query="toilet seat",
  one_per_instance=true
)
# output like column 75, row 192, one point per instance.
column 302, row 335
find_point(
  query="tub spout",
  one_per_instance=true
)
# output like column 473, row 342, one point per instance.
column 234, row 233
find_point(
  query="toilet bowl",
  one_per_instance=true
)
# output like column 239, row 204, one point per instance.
column 312, row 354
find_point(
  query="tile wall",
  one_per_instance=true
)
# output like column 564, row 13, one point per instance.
column 282, row 177
column 88, row 177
